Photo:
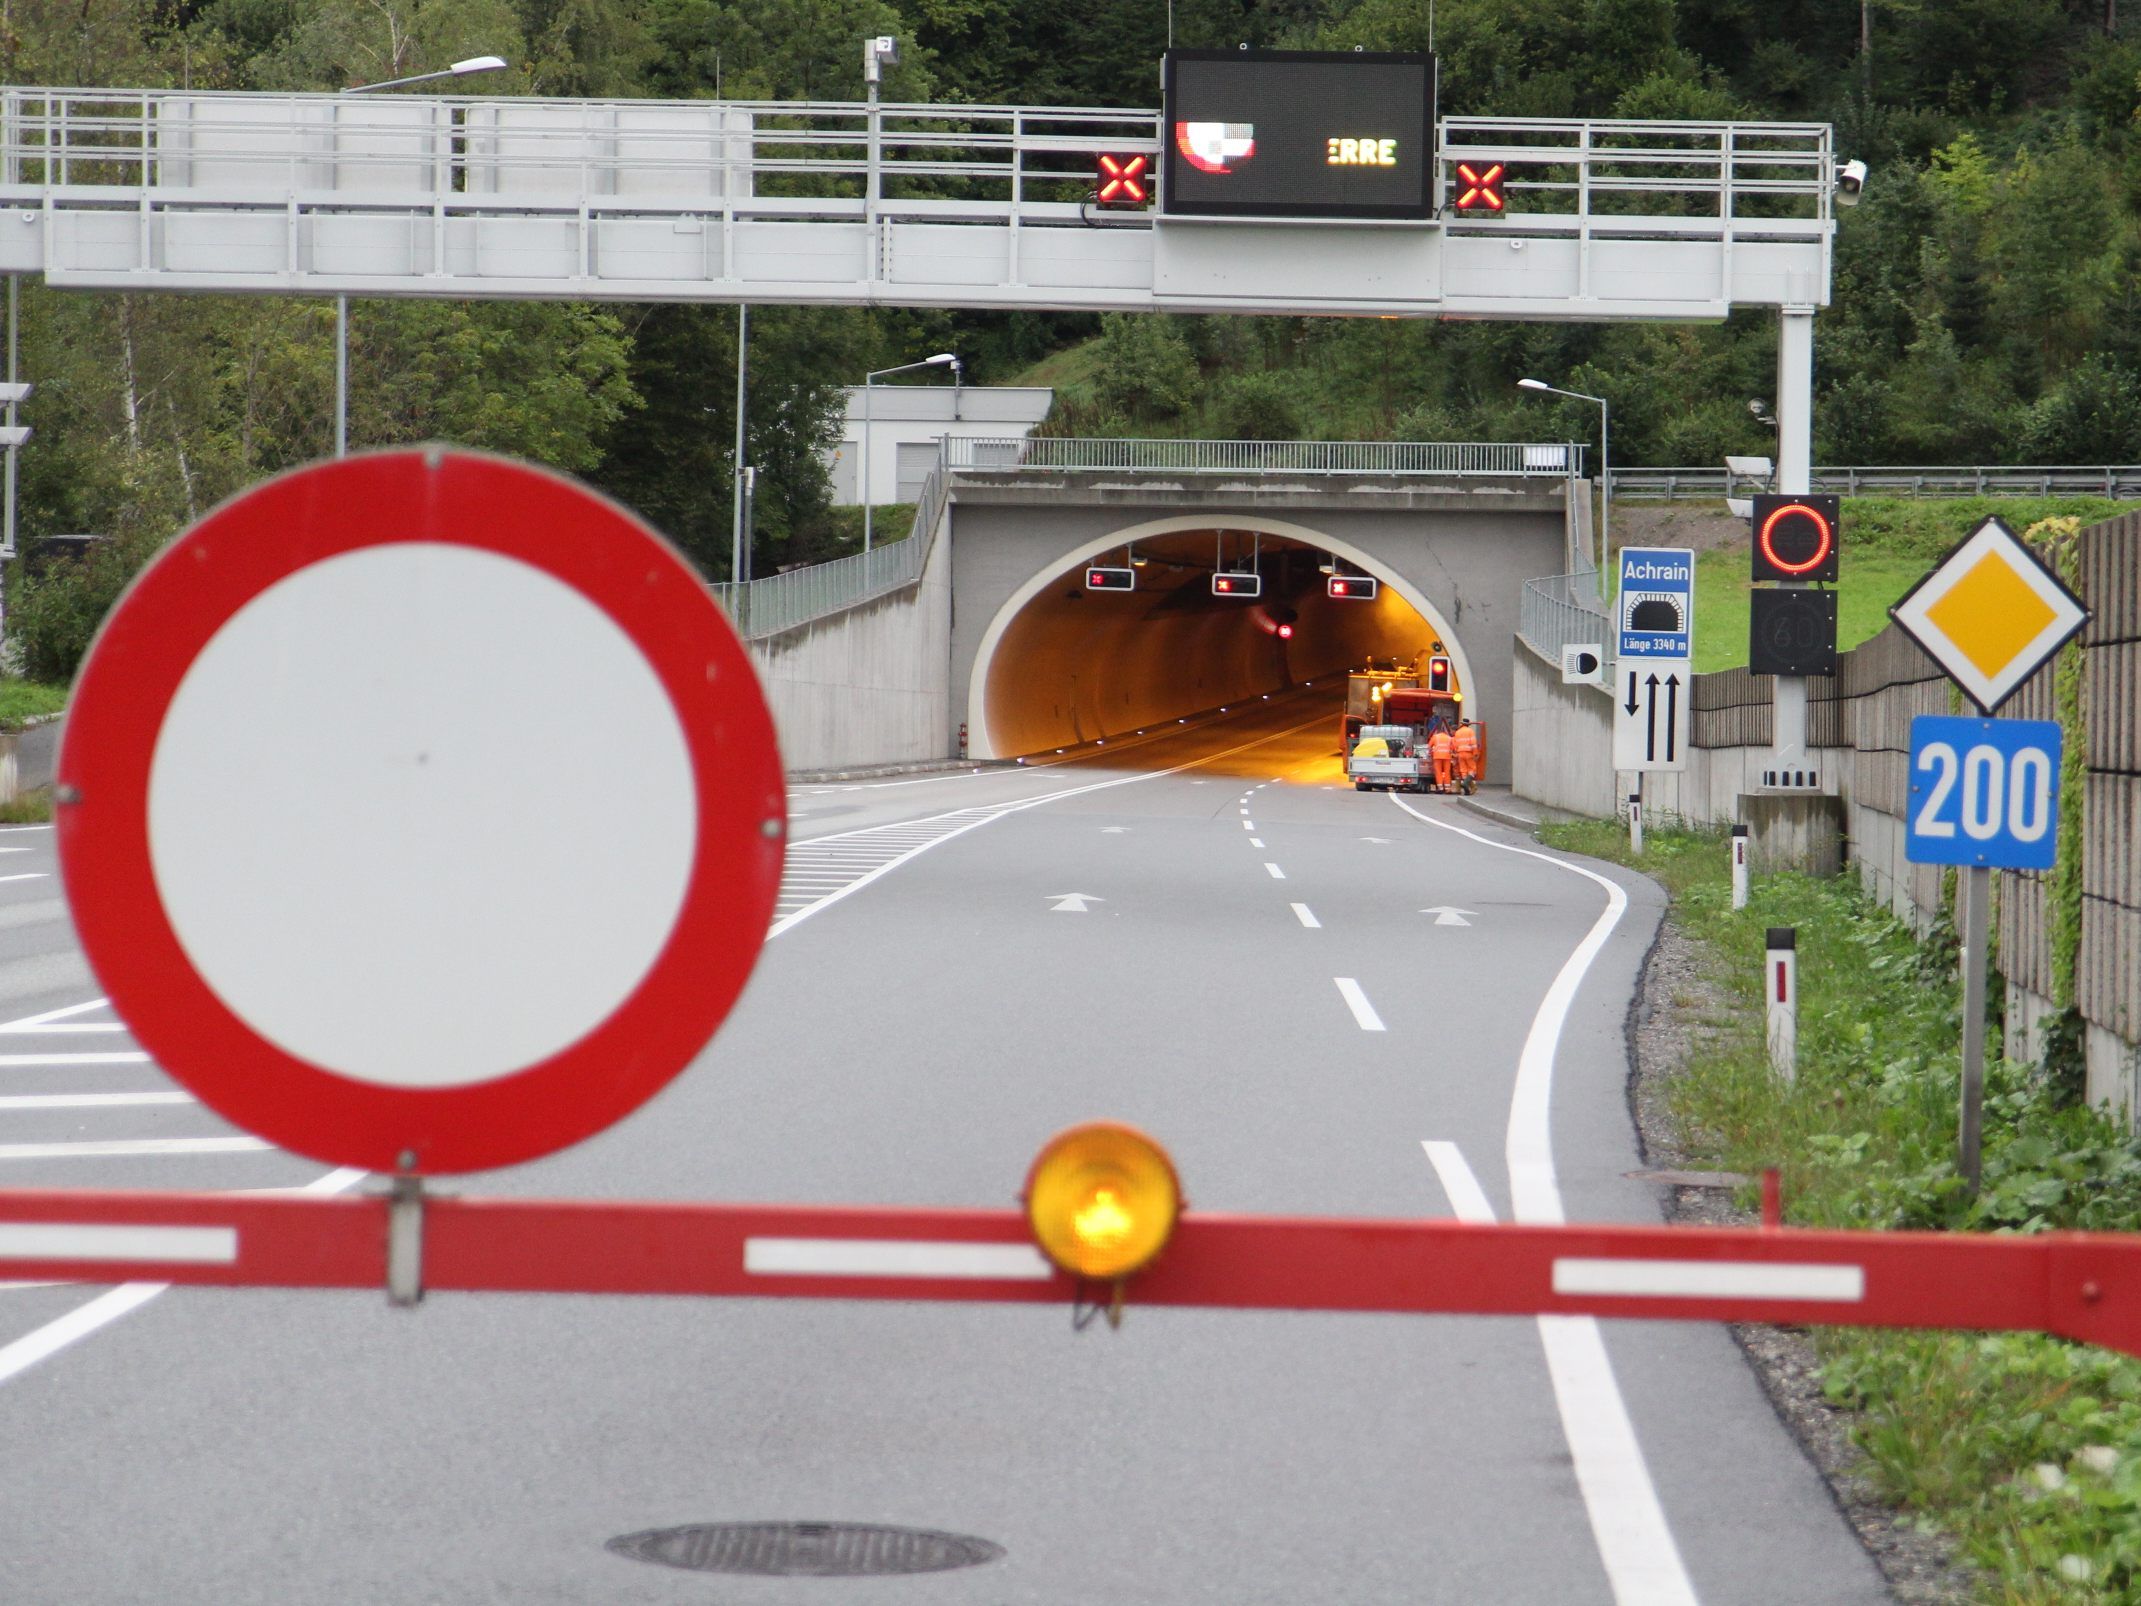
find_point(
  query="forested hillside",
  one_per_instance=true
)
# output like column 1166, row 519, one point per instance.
column 1988, row 296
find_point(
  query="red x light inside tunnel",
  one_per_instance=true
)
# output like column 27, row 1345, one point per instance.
column 1121, row 181
column 1480, row 189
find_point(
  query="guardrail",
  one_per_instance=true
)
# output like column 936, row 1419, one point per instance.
column 1421, row 459
column 1670, row 484
column 761, row 608
column 1562, row 610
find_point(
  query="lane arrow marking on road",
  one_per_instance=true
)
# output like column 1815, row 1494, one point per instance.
column 1447, row 916
column 1071, row 903
column 1383, row 840
column 1113, row 830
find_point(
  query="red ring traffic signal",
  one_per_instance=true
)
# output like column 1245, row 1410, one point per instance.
column 1795, row 537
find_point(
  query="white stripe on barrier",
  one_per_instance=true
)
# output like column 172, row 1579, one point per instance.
column 884, row 1257
column 77, row 1240
column 1710, row 1279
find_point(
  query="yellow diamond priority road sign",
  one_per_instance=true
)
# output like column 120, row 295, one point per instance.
column 1990, row 614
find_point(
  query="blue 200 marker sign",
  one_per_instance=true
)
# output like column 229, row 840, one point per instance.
column 1984, row 792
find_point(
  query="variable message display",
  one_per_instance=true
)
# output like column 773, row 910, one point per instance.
column 1317, row 134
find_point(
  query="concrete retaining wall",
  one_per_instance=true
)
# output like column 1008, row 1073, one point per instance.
column 27, row 758
column 869, row 685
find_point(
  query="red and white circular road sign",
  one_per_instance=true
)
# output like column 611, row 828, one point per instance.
column 421, row 811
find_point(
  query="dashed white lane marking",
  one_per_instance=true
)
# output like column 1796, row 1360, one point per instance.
column 1301, row 913
column 1642, row 1560
column 27, row 875
column 1256, row 842
column 1357, row 1001
column 42, row 1343
column 115, row 1147
column 1276, row 873
column 1468, row 1200
column 116, row 1057
column 88, row 1101
column 1248, row 825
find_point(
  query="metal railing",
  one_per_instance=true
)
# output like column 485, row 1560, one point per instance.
column 761, row 608
column 1564, row 610
column 1668, row 484
column 821, row 158
column 1437, row 459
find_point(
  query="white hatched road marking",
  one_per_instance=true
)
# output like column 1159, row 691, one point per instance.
column 116, row 1057
column 89, row 1101
column 57, row 1020
column 1276, row 873
column 111, row 1148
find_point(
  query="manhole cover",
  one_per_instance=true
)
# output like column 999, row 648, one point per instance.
column 805, row 1549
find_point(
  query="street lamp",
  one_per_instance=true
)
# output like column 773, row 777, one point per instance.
column 460, row 69
column 941, row 359
column 1605, row 466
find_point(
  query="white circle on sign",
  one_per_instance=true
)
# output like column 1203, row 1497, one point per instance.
column 505, row 787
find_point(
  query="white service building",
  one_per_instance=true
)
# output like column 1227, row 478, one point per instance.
column 907, row 422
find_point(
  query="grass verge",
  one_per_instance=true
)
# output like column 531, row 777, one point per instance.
column 24, row 700
column 2025, row 1449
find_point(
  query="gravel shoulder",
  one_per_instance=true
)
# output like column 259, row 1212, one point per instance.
column 1667, row 1025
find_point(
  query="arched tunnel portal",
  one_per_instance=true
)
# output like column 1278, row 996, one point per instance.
column 1059, row 665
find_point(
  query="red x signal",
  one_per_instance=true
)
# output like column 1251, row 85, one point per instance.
column 1121, row 180
column 1481, row 190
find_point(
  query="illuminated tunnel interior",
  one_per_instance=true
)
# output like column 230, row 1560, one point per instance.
column 1074, row 665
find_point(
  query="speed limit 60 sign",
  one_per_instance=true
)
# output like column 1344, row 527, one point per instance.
column 1984, row 792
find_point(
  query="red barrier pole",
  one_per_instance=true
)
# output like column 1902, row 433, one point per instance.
column 2081, row 1285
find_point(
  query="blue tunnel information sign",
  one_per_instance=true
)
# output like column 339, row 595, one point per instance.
column 1657, row 602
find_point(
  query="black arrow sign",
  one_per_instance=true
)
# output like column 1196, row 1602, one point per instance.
column 1632, row 703
column 1650, row 737
column 1672, row 714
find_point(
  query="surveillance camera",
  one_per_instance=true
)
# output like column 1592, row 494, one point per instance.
column 1850, row 180
column 1754, row 406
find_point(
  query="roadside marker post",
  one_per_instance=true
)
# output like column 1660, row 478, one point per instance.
column 1985, row 792
column 1635, row 819
column 1739, row 867
column 1780, row 986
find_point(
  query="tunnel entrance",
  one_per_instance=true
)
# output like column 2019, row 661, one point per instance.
column 1062, row 665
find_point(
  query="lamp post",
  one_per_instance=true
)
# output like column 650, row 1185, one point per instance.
column 460, row 69
column 1605, row 465
column 869, row 380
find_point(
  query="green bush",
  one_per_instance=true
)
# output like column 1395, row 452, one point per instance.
column 53, row 616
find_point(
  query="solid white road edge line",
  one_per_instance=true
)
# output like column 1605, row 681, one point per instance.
column 83, row 1240
column 1357, row 1001
column 892, row 1257
column 41, row 1343
column 1642, row 1560
column 1711, row 1279
column 1302, row 914
column 1468, row 1200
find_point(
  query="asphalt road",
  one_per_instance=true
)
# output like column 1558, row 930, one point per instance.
column 924, row 1017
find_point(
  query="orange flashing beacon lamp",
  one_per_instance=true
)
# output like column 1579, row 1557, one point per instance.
column 1102, row 1200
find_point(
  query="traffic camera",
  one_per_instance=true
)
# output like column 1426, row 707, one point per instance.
column 1850, row 183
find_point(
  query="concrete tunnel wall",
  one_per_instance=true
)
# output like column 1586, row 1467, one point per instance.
column 1464, row 554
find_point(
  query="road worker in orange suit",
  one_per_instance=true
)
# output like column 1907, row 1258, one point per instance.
column 1439, row 747
column 1465, row 748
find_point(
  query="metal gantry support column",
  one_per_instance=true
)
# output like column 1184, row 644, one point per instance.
column 738, row 567
column 1795, row 477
